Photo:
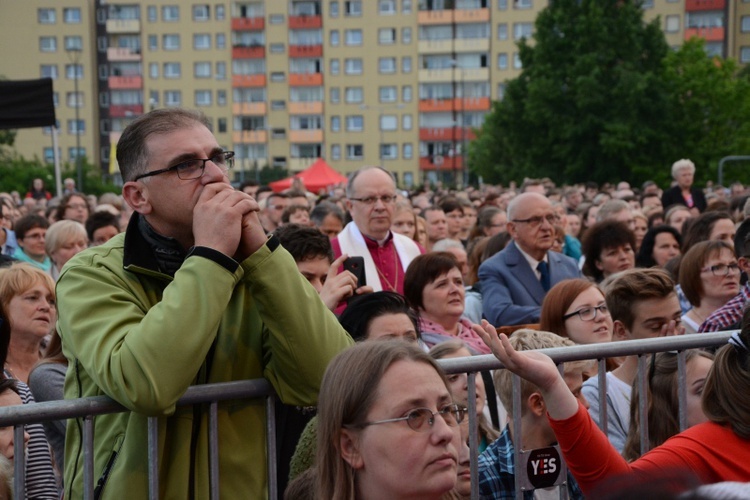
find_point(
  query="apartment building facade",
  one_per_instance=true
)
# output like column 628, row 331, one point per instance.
column 398, row 83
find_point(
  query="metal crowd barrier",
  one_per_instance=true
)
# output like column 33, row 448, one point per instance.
column 87, row 408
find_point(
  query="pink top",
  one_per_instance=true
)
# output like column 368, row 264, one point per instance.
column 433, row 333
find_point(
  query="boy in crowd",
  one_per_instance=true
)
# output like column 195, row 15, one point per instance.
column 643, row 304
column 497, row 464
column 313, row 254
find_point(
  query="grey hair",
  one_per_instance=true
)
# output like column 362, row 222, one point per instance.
column 323, row 210
column 683, row 164
column 447, row 243
column 355, row 174
column 611, row 207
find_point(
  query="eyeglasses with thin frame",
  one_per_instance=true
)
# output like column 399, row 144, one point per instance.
column 195, row 167
column 537, row 221
column 371, row 200
column 723, row 269
column 588, row 313
column 423, row 419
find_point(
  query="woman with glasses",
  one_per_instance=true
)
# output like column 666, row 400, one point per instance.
column 392, row 430
column 663, row 403
column 30, row 233
column 709, row 278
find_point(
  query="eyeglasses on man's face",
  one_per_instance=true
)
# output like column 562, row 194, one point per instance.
column 371, row 200
column 423, row 419
column 723, row 269
column 537, row 221
column 195, row 167
column 588, row 313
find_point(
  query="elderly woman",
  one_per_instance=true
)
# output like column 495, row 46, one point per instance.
column 683, row 192
column 709, row 278
column 433, row 286
column 63, row 240
column 609, row 248
column 392, row 430
column 73, row 206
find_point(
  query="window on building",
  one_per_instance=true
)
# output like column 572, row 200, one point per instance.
column 333, row 8
column 353, row 37
column 517, row 61
column 201, row 12
column 172, row 98
column 388, row 122
column 355, row 123
column 202, row 69
column 153, row 42
column 74, row 99
column 74, row 71
column 745, row 54
column 172, row 70
column 49, row 154
column 73, row 43
column 502, row 61
column 276, row 48
column 406, row 64
column 74, row 153
column 46, row 16
column 222, row 125
column 502, row 31
column 170, row 13
column 353, row 95
column 56, row 103
column 406, row 6
column 202, row 97
column 387, row 65
column 153, row 70
column 335, row 95
column 335, row 151
column 278, row 76
column 353, row 8
column 502, row 4
column 408, row 151
column 221, row 41
column 153, row 98
column 72, row 15
column 278, row 133
column 201, row 41
column 170, row 42
column 523, row 4
column 334, row 38
column 276, row 19
column 647, row 4
column 386, row 36
column 389, row 151
column 335, row 66
column 744, row 24
column 278, row 105
column 220, row 12
column 48, row 44
column 221, row 70
column 522, row 30
column 76, row 127
column 355, row 151
column 406, row 93
column 388, row 94
column 406, row 35
column 672, row 24
column 406, row 122
column 335, row 123
column 151, row 14
column 387, row 7
column 353, row 66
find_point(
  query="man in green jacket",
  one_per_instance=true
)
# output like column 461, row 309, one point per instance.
column 192, row 293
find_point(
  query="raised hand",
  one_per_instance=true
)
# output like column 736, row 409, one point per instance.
column 338, row 286
column 218, row 217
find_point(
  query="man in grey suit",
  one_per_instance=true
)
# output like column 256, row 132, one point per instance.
column 515, row 281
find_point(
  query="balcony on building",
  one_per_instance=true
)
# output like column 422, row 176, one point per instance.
column 258, row 80
column 125, row 82
column 307, row 136
column 306, row 50
column 252, row 51
column 714, row 34
column 306, row 108
column 117, row 26
column 304, row 22
column 250, row 136
column 125, row 110
column 448, row 163
column 300, row 164
column 453, row 16
column 248, row 23
column 305, row 14
column 697, row 5
column 115, row 54
column 428, row 134
column 249, row 108
column 457, row 104
column 305, row 79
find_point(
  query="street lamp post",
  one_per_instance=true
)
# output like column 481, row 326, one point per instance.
column 74, row 53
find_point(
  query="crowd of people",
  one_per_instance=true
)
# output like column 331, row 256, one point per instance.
column 184, row 280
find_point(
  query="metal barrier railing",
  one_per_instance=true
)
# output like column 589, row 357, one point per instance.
column 87, row 408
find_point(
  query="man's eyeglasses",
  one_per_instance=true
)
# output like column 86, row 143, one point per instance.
column 422, row 419
column 588, row 313
column 537, row 221
column 723, row 269
column 194, row 168
column 371, row 200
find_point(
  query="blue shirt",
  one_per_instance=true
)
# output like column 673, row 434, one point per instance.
column 11, row 244
column 497, row 472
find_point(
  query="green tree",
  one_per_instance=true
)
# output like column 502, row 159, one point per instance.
column 710, row 108
column 590, row 103
column 17, row 172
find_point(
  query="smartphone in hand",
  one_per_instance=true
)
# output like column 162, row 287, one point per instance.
column 356, row 266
